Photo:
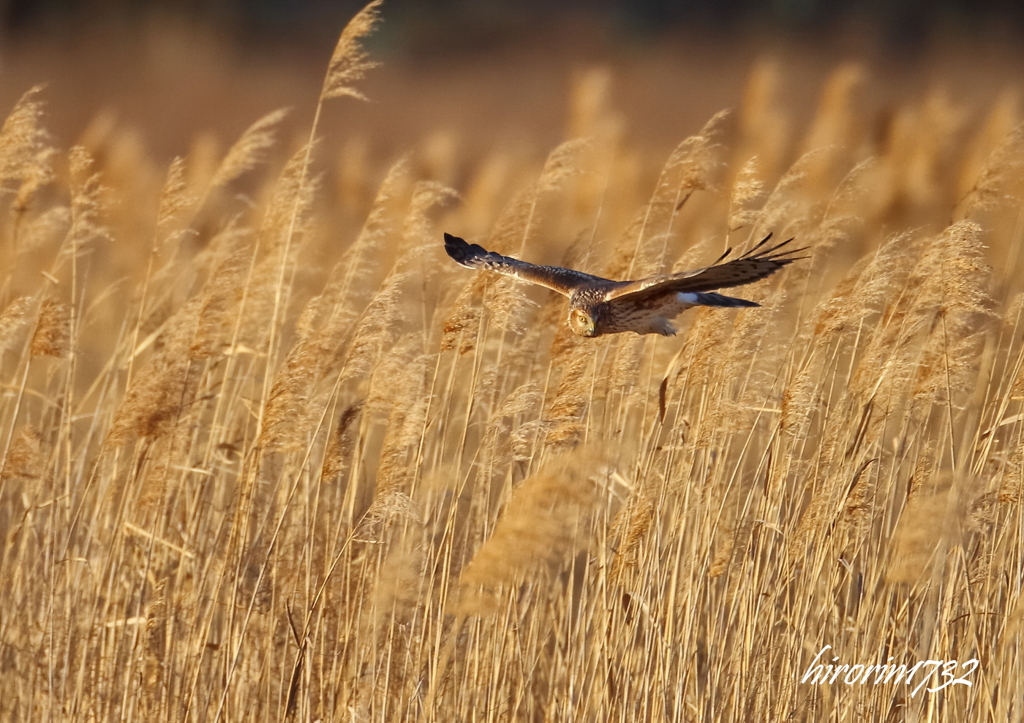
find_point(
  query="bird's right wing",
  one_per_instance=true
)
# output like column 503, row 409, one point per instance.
column 756, row 264
column 473, row 256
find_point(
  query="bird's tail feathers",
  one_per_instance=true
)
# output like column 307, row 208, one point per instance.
column 709, row 298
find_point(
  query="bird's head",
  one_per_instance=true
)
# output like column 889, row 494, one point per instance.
column 582, row 323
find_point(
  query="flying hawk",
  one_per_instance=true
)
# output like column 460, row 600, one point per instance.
column 646, row 306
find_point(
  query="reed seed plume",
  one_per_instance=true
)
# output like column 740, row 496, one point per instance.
column 747, row 187
column 930, row 526
column 630, row 529
column 565, row 415
column 994, row 182
column 86, row 201
column 52, row 336
column 26, row 457
column 249, row 150
column 25, row 153
column 223, row 292
column 545, row 523
column 341, row 443
column 163, row 388
column 14, row 316
column 175, row 199
column 349, row 62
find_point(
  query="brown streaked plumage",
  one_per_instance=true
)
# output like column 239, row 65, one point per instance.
column 646, row 306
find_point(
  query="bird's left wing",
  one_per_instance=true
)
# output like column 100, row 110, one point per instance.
column 474, row 256
column 756, row 264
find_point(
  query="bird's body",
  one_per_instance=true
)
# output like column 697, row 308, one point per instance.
column 647, row 306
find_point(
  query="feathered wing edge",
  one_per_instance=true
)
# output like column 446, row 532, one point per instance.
column 756, row 264
column 474, row 256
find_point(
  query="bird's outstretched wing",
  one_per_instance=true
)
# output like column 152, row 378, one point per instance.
column 758, row 263
column 473, row 256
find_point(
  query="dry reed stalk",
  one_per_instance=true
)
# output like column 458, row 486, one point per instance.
column 752, row 362
column 859, row 296
column 948, row 300
column 162, row 459
column 391, row 625
column 505, row 302
column 1011, row 478
column 883, row 366
column 698, row 358
column 382, row 222
column 286, row 216
column 341, row 295
column 627, row 365
column 417, row 227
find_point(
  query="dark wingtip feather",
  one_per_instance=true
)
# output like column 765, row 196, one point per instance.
column 462, row 252
column 455, row 246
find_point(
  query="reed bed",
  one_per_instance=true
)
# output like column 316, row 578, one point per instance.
column 265, row 458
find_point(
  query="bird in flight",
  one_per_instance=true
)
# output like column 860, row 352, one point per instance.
column 646, row 306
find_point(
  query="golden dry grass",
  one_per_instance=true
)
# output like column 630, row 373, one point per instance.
column 262, row 464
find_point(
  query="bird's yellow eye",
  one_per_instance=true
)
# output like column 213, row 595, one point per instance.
column 581, row 323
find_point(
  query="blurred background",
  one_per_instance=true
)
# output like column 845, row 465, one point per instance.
column 491, row 73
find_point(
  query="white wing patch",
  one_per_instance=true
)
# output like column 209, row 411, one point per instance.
column 688, row 297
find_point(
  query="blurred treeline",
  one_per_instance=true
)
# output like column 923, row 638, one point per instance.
column 903, row 23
